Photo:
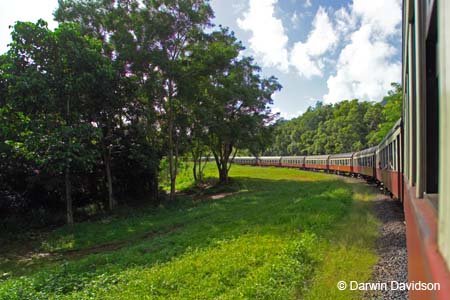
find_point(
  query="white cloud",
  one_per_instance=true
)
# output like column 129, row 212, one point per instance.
column 308, row 3
column 305, row 57
column 294, row 20
column 304, row 63
column 287, row 115
column 23, row 10
column 268, row 40
column 366, row 65
column 384, row 16
column 344, row 21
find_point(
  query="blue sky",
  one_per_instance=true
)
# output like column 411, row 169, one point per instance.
column 320, row 49
column 325, row 50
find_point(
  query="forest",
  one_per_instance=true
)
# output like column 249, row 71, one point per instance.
column 89, row 109
column 94, row 111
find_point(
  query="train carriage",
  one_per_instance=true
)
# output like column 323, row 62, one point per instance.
column 245, row 160
column 269, row 161
column 426, row 143
column 317, row 162
column 293, row 161
column 364, row 163
column 341, row 163
column 388, row 162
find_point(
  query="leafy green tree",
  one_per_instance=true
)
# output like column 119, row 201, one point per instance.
column 152, row 39
column 391, row 113
column 48, row 74
column 240, row 99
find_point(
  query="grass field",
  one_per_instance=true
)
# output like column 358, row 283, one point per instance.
column 273, row 234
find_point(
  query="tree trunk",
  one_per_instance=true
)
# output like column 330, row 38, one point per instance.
column 67, row 183
column 194, row 170
column 111, row 200
column 69, row 208
column 172, row 167
column 223, row 174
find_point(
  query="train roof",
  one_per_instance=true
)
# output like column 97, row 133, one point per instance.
column 367, row 151
column 342, row 155
column 294, row 157
column 245, row 157
column 317, row 156
column 269, row 157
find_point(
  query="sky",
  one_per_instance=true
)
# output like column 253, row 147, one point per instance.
column 320, row 50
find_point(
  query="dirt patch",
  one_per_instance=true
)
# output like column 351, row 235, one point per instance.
column 217, row 196
column 113, row 246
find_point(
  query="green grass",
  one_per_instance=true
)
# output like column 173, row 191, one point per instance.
column 282, row 234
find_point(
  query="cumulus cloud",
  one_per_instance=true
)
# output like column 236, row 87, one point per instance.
column 366, row 65
column 354, row 43
column 364, row 69
column 287, row 115
column 269, row 40
column 384, row 16
column 306, row 57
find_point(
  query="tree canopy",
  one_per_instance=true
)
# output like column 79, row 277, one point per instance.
column 88, row 110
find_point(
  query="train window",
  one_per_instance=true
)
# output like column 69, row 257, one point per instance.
column 386, row 155
column 394, row 155
column 432, row 103
column 390, row 156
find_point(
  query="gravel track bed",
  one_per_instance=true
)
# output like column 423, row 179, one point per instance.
column 391, row 249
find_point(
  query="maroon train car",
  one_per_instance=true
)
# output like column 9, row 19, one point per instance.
column 341, row 163
column 293, row 162
column 389, row 163
column 364, row 163
column 317, row 162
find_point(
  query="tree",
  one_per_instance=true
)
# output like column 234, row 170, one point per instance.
column 59, row 139
column 210, row 56
column 152, row 40
column 391, row 113
column 239, row 101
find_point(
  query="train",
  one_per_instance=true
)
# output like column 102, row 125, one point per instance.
column 381, row 164
column 412, row 162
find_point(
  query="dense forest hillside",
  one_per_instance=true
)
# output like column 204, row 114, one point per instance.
column 337, row 128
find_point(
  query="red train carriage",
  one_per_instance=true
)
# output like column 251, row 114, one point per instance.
column 317, row 162
column 388, row 162
column 364, row 163
column 426, row 143
column 293, row 161
column 341, row 163
column 269, row 161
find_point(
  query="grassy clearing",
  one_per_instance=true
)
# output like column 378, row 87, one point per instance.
column 282, row 234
